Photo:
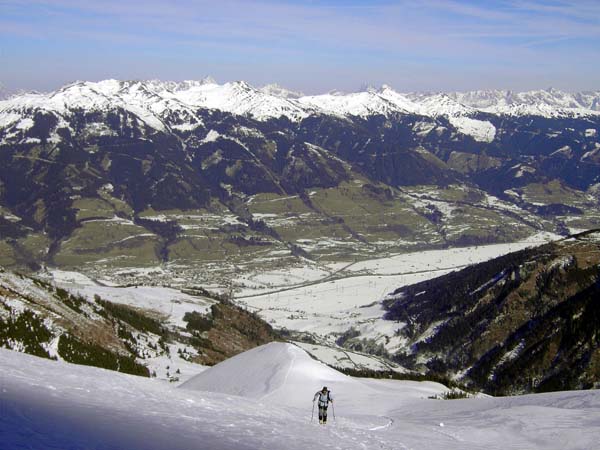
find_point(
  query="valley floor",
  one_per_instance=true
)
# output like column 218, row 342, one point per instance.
column 46, row 404
column 352, row 297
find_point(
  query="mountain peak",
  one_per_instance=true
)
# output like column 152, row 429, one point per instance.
column 208, row 80
column 276, row 90
column 242, row 84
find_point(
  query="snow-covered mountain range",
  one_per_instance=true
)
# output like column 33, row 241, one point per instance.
column 546, row 102
column 156, row 101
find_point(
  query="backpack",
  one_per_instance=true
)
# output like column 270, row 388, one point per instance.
column 323, row 399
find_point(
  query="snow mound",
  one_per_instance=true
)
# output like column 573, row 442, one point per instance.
column 280, row 372
column 285, row 375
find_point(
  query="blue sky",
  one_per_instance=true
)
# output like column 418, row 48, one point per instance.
column 309, row 45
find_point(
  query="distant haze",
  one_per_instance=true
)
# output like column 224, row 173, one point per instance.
column 308, row 45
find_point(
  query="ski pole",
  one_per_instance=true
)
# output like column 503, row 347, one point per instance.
column 333, row 410
column 313, row 412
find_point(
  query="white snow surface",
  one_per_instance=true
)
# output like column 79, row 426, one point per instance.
column 480, row 130
column 169, row 303
column 55, row 405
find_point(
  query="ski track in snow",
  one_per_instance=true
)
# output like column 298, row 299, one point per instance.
column 387, row 425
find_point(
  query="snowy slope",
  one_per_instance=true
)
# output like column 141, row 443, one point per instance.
column 47, row 404
column 242, row 99
column 361, row 104
column 57, row 316
column 170, row 304
column 280, row 91
column 459, row 115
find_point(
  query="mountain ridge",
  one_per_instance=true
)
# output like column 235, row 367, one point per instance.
column 523, row 322
column 273, row 101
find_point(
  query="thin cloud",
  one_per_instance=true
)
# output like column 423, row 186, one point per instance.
column 580, row 10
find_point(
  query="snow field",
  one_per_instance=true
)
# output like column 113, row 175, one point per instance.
column 169, row 303
column 46, row 404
